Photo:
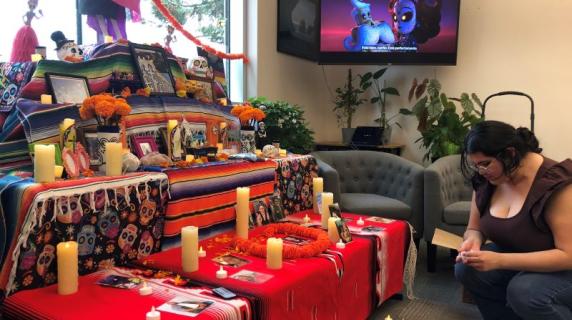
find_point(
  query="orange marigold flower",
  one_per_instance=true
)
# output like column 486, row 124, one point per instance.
column 104, row 109
column 122, row 108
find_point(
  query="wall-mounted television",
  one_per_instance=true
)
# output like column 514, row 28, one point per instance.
column 370, row 32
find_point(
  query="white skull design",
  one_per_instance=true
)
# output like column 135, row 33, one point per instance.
column 127, row 237
column 45, row 259
column 145, row 245
column 86, row 240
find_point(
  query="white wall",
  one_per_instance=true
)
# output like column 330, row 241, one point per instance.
column 519, row 45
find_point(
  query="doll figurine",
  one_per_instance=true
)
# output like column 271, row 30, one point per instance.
column 170, row 37
column 26, row 41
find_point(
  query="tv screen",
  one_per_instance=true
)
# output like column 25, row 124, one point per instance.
column 299, row 28
column 389, row 31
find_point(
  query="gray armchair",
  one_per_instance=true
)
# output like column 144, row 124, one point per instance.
column 447, row 201
column 374, row 183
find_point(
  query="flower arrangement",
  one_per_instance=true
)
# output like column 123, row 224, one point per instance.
column 258, row 248
column 247, row 114
column 105, row 108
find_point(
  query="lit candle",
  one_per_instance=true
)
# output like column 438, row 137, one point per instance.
column 67, row 267
column 36, row 57
column 66, row 136
column 113, row 158
column 202, row 253
column 221, row 273
column 108, row 39
column 388, row 318
column 258, row 152
column 46, row 99
column 171, row 125
column 306, row 219
column 333, row 230
column 190, row 248
column 219, row 147
column 283, row 152
column 145, row 290
column 153, row 314
column 242, row 212
column 340, row 244
column 327, row 200
column 318, row 184
column 360, row 222
column 274, row 253
column 190, row 158
column 58, row 171
column 44, row 163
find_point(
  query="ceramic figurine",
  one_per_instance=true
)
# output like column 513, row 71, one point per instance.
column 26, row 41
column 67, row 50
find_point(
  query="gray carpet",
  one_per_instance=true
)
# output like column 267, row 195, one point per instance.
column 438, row 295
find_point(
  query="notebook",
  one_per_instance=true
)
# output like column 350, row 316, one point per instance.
column 366, row 136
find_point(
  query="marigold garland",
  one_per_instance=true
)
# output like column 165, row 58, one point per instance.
column 320, row 244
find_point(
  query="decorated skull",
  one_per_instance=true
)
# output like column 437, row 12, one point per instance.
column 148, row 209
column 285, row 169
column 28, row 258
column 145, row 245
column 70, row 210
column 199, row 67
column 127, row 237
column 67, row 50
column 86, row 240
column 9, row 95
column 109, row 223
column 45, row 259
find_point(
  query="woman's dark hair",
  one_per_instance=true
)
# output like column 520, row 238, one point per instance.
column 428, row 20
column 493, row 139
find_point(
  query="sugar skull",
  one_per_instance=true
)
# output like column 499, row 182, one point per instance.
column 45, row 259
column 199, row 67
column 99, row 198
column 70, row 210
column 305, row 195
column 28, row 258
column 145, row 245
column 127, row 237
column 158, row 227
column 109, row 223
column 9, row 94
column 86, row 240
column 285, row 169
column 148, row 209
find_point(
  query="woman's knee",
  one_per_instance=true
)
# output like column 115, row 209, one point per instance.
column 465, row 274
column 524, row 296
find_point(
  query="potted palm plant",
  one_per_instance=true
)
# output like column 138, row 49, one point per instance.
column 442, row 128
column 347, row 100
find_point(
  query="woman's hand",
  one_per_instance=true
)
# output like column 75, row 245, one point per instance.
column 481, row 260
column 473, row 241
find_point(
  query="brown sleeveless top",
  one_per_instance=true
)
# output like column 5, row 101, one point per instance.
column 526, row 231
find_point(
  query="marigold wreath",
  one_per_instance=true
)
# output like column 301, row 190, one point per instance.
column 320, row 242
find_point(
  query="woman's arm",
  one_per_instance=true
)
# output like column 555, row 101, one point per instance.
column 473, row 236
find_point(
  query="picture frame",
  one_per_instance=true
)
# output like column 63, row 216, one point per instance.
column 260, row 215
column 276, row 208
column 153, row 68
column 343, row 231
column 143, row 145
column 66, row 88
column 207, row 85
column 88, row 139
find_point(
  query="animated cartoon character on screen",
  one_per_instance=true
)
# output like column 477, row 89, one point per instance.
column 367, row 32
column 86, row 240
column 109, row 223
column 145, row 245
column 415, row 22
column 148, row 209
column 45, row 259
column 127, row 237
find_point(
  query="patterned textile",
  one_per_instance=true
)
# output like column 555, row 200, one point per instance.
column 13, row 76
column 113, row 219
column 294, row 182
column 95, row 302
column 14, row 155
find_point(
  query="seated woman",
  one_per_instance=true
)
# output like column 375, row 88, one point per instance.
column 522, row 203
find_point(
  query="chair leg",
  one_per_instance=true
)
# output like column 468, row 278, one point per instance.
column 431, row 257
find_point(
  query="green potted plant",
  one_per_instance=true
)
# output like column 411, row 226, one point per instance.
column 346, row 102
column 372, row 80
column 285, row 123
column 442, row 128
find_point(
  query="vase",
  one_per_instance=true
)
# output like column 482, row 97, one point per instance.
column 347, row 134
column 247, row 140
column 105, row 134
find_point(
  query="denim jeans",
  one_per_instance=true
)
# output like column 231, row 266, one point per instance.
column 506, row 294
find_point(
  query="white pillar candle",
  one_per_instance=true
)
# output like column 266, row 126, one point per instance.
column 221, row 273
column 333, row 230
column 318, row 187
column 202, row 253
column 36, row 57
column 108, row 39
column 44, row 163
column 67, row 267
column 153, row 314
column 46, row 99
column 282, row 152
column 190, row 248
column 242, row 211
column 171, row 125
column 327, row 200
column 274, row 253
column 113, row 158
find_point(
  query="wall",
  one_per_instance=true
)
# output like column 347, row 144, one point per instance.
column 502, row 46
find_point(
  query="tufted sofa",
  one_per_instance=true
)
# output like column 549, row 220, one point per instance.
column 447, row 201
column 374, row 183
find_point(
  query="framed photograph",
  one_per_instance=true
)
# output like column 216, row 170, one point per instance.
column 88, row 139
column 205, row 85
column 231, row 260
column 343, row 231
column 153, row 69
column 67, row 88
column 335, row 210
column 261, row 216
column 143, row 145
column 276, row 208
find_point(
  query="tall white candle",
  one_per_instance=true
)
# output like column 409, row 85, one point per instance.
column 67, row 267
column 333, row 230
column 242, row 211
column 318, row 184
column 190, row 248
column 274, row 253
column 113, row 158
column 327, row 200
column 44, row 163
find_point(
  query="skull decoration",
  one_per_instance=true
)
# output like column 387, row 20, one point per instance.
column 145, row 245
column 199, row 67
column 9, row 95
column 86, row 240
column 67, row 50
column 285, row 169
column 306, row 195
column 158, row 227
column 99, row 198
column 148, row 209
column 70, row 210
column 28, row 258
column 127, row 237
column 109, row 223
column 45, row 259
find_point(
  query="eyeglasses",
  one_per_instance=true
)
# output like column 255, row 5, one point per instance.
column 481, row 167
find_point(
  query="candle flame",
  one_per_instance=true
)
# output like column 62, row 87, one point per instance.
column 201, row 248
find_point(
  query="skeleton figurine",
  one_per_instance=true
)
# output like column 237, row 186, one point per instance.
column 67, row 50
column 170, row 37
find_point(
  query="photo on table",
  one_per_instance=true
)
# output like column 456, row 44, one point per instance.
column 231, row 260
column 372, row 229
column 380, row 219
column 343, row 231
column 143, row 145
column 120, row 282
column 251, row 276
column 276, row 208
column 189, row 307
column 66, row 88
column 296, row 240
column 260, row 213
column 335, row 210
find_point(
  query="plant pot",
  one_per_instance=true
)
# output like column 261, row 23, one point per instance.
column 347, row 134
column 105, row 134
column 386, row 135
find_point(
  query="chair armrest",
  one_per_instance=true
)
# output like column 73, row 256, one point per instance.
column 331, row 179
column 433, row 202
